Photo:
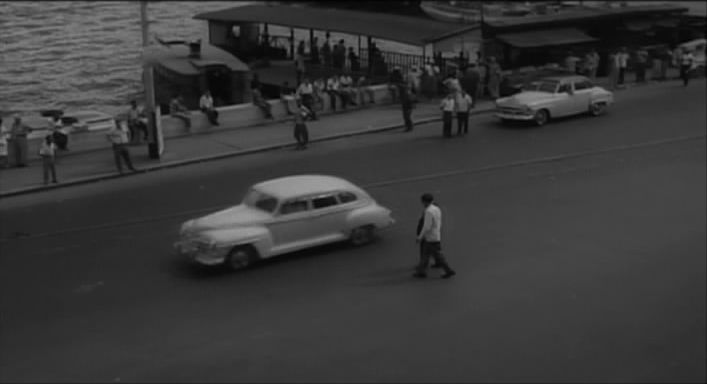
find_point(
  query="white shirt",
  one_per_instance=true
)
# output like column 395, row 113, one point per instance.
column 206, row 102
column 622, row 59
column 304, row 89
column 432, row 224
column 447, row 105
column 118, row 135
column 47, row 149
column 332, row 85
column 463, row 103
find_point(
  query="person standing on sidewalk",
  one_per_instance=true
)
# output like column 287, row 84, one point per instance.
column 48, row 151
column 407, row 103
column 592, row 64
column 301, row 133
column 305, row 93
column 118, row 136
column 18, row 136
column 494, row 78
column 447, row 107
column 3, row 145
column 687, row 59
column 622, row 64
column 463, row 105
column 431, row 233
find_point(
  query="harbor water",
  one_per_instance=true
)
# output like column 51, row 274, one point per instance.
column 87, row 55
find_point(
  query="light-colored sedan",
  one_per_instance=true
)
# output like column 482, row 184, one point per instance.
column 552, row 97
column 280, row 216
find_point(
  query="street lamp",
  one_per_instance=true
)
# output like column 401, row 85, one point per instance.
column 154, row 137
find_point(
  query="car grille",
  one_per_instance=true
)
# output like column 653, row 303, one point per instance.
column 511, row 111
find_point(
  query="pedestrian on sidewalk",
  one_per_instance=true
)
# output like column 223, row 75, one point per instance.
column 431, row 233
column 348, row 94
column 301, row 133
column 447, row 107
column 592, row 64
column 206, row 104
column 260, row 102
column 136, row 122
column 463, row 105
column 179, row 111
column 408, row 103
column 18, row 137
column 60, row 133
column 118, row 137
column 494, row 78
column 641, row 65
column 305, row 94
column 4, row 135
column 47, row 152
column 622, row 64
column 687, row 59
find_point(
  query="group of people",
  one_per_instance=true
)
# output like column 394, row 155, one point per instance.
column 337, row 56
column 178, row 109
column 16, row 138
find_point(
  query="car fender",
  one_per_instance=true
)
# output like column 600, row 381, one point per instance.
column 369, row 214
column 257, row 236
column 601, row 95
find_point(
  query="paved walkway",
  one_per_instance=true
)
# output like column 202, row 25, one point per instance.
column 86, row 167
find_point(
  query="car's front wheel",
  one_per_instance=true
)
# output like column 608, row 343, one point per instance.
column 362, row 235
column 240, row 257
column 596, row 109
column 541, row 117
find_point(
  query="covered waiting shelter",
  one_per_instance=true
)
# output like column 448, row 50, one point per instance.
column 403, row 29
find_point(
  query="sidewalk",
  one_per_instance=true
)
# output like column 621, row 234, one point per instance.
column 93, row 166
column 87, row 167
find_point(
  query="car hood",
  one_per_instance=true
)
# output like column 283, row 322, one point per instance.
column 239, row 215
column 525, row 98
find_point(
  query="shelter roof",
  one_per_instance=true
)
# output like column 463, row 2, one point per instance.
column 176, row 58
column 404, row 29
column 583, row 13
column 546, row 37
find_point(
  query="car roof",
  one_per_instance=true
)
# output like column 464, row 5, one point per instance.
column 300, row 185
column 566, row 78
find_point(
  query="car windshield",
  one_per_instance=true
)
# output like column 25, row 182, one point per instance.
column 259, row 200
column 548, row 86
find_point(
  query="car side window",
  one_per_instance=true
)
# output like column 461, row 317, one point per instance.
column 346, row 197
column 293, row 206
column 582, row 85
column 267, row 204
column 564, row 88
column 324, row 201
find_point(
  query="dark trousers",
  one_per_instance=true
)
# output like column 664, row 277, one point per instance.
column 61, row 140
column 432, row 249
column 211, row 114
column 462, row 123
column 19, row 147
column 685, row 74
column 48, row 167
column 622, row 73
column 332, row 98
column 447, row 124
column 135, row 126
column 301, row 135
column 121, row 151
column 407, row 118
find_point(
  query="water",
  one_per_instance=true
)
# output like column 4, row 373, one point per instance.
column 77, row 55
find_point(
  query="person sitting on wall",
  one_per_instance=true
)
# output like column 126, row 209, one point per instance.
column 178, row 110
column 364, row 88
column 348, row 94
column 332, row 88
column 206, row 104
column 260, row 102
column 305, row 95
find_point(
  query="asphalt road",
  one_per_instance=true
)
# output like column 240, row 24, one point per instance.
column 580, row 248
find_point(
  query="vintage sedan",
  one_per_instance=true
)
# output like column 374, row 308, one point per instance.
column 552, row 97
column 280, row 216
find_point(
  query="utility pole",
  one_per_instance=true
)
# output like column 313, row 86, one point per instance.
column 154, row 149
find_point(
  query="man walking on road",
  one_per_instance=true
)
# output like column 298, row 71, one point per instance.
column 301, row 133
column 686, row 61
column 447, row 107
column 431, row 234
column 463, row 105
column 118, row 136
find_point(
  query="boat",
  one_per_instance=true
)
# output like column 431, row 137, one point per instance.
column 453, row 11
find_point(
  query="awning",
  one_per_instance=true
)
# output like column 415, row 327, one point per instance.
column 638, row 25
column 543, row 38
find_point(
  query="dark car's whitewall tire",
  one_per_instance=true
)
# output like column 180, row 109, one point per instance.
column 362, row 235
column 597, row 109
column 541, row 117
column 240, row 257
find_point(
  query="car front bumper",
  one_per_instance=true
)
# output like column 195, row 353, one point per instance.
column 199, row 255
column 514, row 116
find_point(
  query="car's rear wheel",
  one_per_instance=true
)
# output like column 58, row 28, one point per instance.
column 241, row 257
column 596, row 109
column 362, row 235
column 541, row 117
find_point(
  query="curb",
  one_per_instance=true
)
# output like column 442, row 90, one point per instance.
column 202, row 159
